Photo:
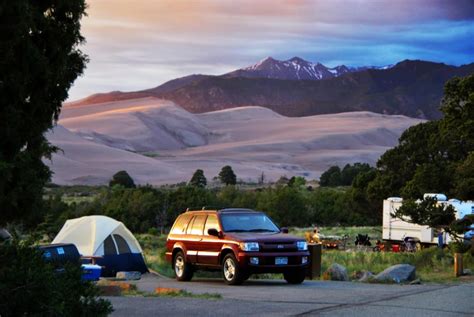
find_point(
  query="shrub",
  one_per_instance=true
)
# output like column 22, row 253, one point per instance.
column 30, row 286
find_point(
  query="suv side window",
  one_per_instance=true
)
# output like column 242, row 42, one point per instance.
column 211, row 223
column 181, row 224
column 198, row 225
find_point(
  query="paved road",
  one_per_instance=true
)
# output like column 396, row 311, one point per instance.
column 312, row 298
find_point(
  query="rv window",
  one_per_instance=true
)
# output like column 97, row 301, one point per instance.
column 122, row 244
column 109, row 246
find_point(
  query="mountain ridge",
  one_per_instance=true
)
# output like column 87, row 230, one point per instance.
column 411, row 87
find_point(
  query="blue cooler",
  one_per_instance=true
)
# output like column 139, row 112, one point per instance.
column 91, row 272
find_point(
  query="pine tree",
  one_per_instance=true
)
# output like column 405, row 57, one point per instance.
column 122, row 178
column 198, row 179
column 227, row 176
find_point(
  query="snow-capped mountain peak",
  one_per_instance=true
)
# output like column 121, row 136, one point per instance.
column 295, row 68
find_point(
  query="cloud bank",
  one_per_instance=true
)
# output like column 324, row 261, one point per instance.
column 142, row 43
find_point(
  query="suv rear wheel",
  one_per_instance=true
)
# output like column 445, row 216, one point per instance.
column 295, row 276
column 183, row 270
column 231, row 271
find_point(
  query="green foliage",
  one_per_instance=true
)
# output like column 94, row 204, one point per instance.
column 30, row 286
column 331, row 177
column 285, row 205
column 198, row 179
column 350, row 172
column 39, row 61
column 459, row 247
column 297, row 181
column 145, row 208
column 122, row 178
column 360, row 200
column 435, row 156
column 56, row 216
column 227, row 176
column 138, row 208
column 335, row 177
column 464, row 178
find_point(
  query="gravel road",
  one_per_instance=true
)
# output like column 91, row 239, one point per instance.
column 312, row 298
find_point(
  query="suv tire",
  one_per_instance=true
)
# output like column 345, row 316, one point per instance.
column 182, row 269
column 232, row 273
column 295, row 276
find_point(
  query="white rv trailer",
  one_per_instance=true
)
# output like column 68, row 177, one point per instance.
column 395, row 229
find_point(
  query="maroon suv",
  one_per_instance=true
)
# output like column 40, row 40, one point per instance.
column 239, row 242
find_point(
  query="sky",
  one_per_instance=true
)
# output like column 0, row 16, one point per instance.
column 140, row 44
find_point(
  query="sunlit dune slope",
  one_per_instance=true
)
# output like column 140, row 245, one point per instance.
column 250, row 139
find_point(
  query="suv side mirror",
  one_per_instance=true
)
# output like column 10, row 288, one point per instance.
column 213, row 232
column 284, row 230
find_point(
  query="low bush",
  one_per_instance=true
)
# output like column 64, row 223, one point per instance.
column 30, row 286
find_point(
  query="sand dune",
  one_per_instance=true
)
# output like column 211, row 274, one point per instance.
column 142, row 125
column 99, row 140
column 85, row 162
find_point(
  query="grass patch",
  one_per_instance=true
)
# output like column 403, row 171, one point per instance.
column 154, row 249
column 432, row 264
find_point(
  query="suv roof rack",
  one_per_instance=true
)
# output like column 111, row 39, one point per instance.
column 218, row 209
column 203, row 208
column 237, row 210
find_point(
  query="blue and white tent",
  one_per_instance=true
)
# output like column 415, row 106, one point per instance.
column 106, row 238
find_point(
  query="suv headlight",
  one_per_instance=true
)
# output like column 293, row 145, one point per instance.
column 302, row 245
column 249, row 246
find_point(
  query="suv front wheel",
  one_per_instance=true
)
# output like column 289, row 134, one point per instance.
column 231, row 271
column 182, row 269
column 295, row 276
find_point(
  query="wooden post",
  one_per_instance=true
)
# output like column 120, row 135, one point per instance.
column 458, row 267
column 314, row 269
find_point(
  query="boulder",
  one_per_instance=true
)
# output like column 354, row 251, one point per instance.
column 397, row 273
column 366, row 276
column 132, row 275
column 336, row 272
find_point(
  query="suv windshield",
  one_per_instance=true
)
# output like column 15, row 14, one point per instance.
column 251, row 222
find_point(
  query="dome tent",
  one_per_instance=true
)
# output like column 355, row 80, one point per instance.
column 105, row 237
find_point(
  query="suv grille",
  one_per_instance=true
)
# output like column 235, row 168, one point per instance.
column 278, row 247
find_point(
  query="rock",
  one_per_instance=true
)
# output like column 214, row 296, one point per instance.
column 415, row 282
column 336, row 272
column 366, row 276
column 467, row 272
column 132, row 275
column 397, row 273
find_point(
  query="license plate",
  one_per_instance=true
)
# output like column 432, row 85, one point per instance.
column 281, row 261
